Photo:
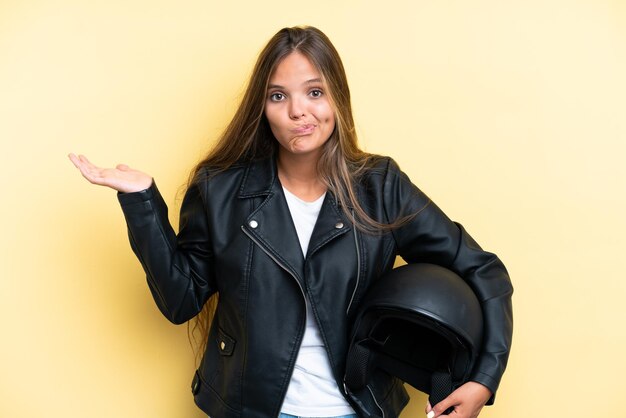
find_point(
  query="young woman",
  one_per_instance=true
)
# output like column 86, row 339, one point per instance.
column 289, row 222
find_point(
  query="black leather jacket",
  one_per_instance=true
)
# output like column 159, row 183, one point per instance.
column 236, row 237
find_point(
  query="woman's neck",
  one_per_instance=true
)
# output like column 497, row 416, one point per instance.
column 299, row 175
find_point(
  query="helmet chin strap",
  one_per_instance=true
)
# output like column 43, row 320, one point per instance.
column 440, row 388
column 359, row 366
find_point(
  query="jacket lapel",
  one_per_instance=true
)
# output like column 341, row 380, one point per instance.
column 270, row 224
column 331, row 223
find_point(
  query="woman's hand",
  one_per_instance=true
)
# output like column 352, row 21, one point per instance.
column 467, row 400
column 121, row 178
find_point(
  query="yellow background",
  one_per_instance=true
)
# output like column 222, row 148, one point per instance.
column 510, row 114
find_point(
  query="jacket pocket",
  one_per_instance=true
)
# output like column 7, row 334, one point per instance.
column 225, row 343
column 195, row 383
column 221, row 369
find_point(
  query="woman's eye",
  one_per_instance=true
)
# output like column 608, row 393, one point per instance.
column 276, row 97
column 316, row 93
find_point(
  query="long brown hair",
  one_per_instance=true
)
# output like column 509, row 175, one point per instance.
column 248, row 135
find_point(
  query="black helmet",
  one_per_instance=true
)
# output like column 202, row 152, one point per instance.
column 421, row 323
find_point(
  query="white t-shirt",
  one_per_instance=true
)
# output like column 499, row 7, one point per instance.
column 312, row 391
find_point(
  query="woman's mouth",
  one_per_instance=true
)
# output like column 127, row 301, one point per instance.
column 304, row 130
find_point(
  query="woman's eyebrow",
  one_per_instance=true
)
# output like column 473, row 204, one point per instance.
column 311, row 81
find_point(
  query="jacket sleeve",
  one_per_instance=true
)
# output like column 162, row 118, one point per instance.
column 430, row 236
column 178, row 267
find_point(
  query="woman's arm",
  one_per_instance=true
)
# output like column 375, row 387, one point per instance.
column 430, row 236
column 177, row 266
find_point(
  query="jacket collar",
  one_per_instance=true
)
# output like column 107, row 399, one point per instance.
column 259, row 178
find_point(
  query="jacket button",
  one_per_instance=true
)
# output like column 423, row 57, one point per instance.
column 339, row 225
column 222, row 345
column 253, row 224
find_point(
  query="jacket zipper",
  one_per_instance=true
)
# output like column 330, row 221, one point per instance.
column 358, row 267
column 375, row 401
column 356, row 286
column 275, row 260
column 345, row 389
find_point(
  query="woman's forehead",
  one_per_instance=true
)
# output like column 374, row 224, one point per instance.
column 295, row 68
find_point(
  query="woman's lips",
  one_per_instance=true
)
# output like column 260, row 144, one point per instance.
column 303, row 130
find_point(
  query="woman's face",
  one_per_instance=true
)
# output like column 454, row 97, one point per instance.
column 297, row 107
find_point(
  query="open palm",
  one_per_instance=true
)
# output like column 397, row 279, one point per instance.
column 121, row 178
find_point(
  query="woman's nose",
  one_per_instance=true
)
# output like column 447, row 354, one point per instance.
column 296, row 108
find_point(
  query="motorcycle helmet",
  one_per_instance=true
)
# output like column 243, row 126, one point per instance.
column 421, row 323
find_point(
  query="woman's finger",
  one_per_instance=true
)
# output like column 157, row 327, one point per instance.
column 79, row 162
column 89, row 171
column 75, row 160
column 443, row 406
column 84, row 159
column 86, row 163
